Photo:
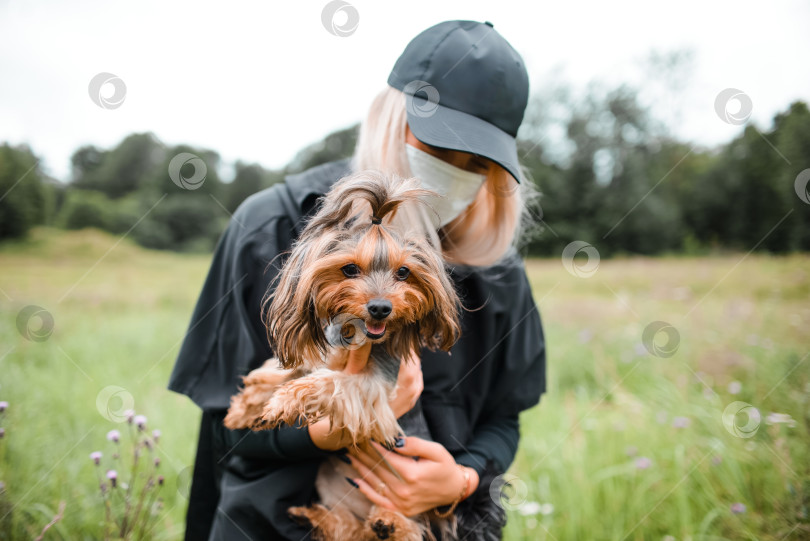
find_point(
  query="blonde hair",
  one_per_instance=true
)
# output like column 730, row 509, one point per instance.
column 484, row 233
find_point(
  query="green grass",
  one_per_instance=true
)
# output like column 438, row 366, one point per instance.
column 120, row 313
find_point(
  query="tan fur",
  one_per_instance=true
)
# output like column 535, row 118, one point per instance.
column 305, row 383
column 247, row 406
column 355, row 402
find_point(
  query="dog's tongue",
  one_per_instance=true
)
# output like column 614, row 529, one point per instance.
column 375, row 328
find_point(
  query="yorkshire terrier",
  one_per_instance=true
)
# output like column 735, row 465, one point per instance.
column 352, row 277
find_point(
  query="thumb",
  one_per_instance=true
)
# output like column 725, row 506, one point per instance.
column 357, row 358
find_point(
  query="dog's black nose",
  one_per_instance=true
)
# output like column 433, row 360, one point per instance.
column 379, row 308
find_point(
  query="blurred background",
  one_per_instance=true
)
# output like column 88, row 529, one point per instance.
column 671, row 148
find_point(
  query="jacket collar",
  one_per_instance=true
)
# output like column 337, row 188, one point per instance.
column 315, row 182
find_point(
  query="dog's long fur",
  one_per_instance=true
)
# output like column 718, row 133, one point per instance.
column 350, row 255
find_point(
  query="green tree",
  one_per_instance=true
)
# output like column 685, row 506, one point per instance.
column 183, row 222
column 791, row 136
column 85, row 208
column 335, row 146
column 121, row 170
column 248, row 180
column 22, row 195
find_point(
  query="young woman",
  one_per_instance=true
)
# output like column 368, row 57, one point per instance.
column 449, row 116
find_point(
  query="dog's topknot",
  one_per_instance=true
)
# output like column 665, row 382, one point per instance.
column 365, row 197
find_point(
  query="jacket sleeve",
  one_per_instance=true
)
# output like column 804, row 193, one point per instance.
column 226, row 337
column 284, row 442
column 495, row 441
column 521, row 359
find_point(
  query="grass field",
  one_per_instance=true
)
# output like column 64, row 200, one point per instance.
column 626, row 444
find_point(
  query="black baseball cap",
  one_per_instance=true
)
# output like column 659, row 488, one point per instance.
column 466, row 89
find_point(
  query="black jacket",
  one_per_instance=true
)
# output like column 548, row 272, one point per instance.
column 244, row 481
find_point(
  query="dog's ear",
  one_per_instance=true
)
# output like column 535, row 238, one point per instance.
column 441, row 328
column 293, row 328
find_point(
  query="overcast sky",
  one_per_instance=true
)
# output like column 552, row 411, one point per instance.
column 257, row 81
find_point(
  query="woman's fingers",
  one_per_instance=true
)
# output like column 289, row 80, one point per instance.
column 377, row 484
column 413, row 446
column 373, row 495
column 375, row 465
column 399, row 461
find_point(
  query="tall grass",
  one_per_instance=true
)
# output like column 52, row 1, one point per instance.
column 624, row 445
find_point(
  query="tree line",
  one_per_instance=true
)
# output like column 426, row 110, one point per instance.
column 605, row 171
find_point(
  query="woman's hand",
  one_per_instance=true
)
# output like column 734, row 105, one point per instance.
column 408, row 389
column 409, row 386
column 430, row 476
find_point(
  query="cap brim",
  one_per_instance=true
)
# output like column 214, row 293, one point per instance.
column 439, row 126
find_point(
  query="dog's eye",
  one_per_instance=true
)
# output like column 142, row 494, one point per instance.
column 403, row 273
column 351, row 270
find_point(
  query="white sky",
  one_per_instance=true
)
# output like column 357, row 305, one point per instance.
column 258, row 81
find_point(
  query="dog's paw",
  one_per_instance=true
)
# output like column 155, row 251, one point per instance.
column 383, row 530
column 387, row 524
column 338, row 524
column 275, row 412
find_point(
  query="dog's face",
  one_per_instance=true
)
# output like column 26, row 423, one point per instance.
column 376, row 284
column 369, row 280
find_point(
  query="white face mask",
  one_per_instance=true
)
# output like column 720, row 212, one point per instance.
column 457, row 187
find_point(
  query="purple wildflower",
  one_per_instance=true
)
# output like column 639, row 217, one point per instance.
column 160, row 480
column 681, row 422
column 112, row 475
column 585, row 336
column 738, row 508
column 3, row 406
column 129, row 414
column 157, row 461
column 95, row 456
column 140, row 421
column 114, row 435
column 642, row 463
column 156, row 435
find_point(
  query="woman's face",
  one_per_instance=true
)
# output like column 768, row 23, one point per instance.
column 463, row 160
